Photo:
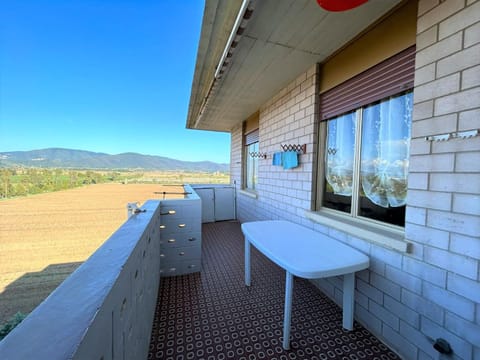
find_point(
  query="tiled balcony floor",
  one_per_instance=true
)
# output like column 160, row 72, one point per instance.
column 213, row 315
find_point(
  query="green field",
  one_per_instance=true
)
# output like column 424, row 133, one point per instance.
column 15, row 182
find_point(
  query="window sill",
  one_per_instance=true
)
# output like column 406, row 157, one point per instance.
column 383, row 236
column 249, row 193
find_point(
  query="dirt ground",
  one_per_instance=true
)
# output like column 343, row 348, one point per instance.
column 44, row 238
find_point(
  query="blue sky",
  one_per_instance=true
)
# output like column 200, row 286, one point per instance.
column 110, row 76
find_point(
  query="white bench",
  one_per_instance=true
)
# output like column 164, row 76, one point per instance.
column 304, row 253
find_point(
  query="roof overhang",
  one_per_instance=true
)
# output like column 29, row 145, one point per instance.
column 237, row 71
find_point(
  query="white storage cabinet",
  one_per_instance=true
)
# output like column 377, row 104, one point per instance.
column 218, row 202
column 181, row 235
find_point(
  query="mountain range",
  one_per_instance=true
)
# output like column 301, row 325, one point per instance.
column 81, row 159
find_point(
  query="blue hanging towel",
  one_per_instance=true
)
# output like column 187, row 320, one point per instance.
column 290, row 159
column 277, row 159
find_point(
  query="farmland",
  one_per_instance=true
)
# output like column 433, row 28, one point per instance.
column 18, row 181
column 45, row 237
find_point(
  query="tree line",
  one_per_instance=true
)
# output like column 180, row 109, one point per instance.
column 28, row 181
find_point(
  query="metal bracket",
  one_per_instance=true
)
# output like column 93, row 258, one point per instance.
column 454, row 135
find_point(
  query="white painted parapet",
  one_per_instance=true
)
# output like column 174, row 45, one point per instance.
column 105, row 309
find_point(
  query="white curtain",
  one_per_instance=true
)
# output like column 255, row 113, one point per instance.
column 385, row 150
column 252, row 166
column 339, row 154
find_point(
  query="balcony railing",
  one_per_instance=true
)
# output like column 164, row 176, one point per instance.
column 105, row 309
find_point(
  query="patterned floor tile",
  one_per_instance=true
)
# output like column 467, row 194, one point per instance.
column 212, row 315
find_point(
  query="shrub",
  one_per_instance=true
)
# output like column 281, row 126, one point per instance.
column 10, row 324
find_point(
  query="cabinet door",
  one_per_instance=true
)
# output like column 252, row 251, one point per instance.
column 180, row 240
column 224, row 204
column 174, row 255
column 208, row 206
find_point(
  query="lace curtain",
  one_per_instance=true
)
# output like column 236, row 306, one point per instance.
column 340, row 154
column 252, row 166
column 384, row 152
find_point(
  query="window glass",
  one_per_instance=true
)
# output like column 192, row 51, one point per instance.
column 366, row 160
column 384, row 159
column 251, row 166
column 339, row 157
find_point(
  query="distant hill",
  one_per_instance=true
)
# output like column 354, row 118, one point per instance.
column 80, row 159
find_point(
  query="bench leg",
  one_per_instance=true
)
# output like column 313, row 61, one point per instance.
column 247, row 262
column 348, row 300
column 287, row 316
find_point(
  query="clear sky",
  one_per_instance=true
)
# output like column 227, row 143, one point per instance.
column 109, row 76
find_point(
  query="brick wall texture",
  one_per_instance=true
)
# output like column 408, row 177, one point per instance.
column 406, row 299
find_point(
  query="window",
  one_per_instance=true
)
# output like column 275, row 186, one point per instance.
column 251, row 160
column 366, row 160
column 251, row 172
column 365, row 142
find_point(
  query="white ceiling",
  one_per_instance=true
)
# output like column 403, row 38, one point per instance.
column 282, row 40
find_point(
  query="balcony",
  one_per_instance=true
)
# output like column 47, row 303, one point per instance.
column 109, row 309
column 213, row 315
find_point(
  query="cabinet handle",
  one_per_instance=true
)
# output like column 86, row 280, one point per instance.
column 191, row 266
column 181, row 253
column 162, row 227
column 171, row 241
column 181, row 225
column 191, row 239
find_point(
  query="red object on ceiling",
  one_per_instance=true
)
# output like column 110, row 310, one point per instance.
column 340, row 5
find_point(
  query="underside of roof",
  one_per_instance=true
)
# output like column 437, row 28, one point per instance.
column 265, row 44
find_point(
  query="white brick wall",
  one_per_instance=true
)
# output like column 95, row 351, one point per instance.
column 236, row 155
column 288, row 118
column 447, row 99
column 433, row 291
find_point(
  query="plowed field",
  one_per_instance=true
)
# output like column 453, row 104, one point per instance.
column 44, row 238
